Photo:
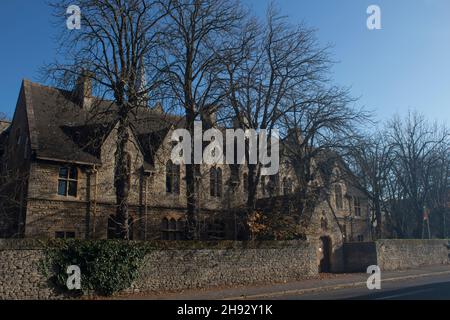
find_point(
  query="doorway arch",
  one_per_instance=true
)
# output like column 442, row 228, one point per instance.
column 325, row 261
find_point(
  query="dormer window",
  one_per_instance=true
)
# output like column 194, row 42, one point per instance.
column 68, row 182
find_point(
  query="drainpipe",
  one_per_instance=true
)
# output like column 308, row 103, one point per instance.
column 94, row 202
column 145, row 206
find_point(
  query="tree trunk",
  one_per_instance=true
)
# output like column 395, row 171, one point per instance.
column 378, row 216
column 192, row 232
column 253, row 178
column 122, row 179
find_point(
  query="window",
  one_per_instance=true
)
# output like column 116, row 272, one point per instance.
column 172, row 229
column 324, row 224
column 215, row 182
column 65, row 235
column 357, row 206
column 360, row 238
column 172, row 178
column 68, row 181
column 216, row 230
column 338, row 195
column 245, row 182
column 287, row 186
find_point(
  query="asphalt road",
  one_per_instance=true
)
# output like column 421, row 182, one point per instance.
column 426, row 288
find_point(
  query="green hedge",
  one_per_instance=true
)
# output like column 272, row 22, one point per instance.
column 106, row 266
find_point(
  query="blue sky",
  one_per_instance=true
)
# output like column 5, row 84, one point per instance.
column 405, row 66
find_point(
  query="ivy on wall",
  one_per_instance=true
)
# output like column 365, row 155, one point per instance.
column 106, row 266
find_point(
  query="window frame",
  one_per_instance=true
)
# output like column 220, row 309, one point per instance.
column 339, row 197
column 215, row 182
column 172, row 229
column 173, row 178
column 65, row 234
column 357, row 207
column 68, row 180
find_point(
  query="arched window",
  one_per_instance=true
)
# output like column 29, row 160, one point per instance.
column 338, row 196
column 165, row 229
column 68, row 181
column 215, row 182
column 216, row 230
column 245, row 182
column 172, row 178
column 172, row 229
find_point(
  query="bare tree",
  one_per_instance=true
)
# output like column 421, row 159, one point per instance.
column 277, row 76
column 113, row 48
column 195, row 31
column 418, row 149
column 371, row 161
column 269, row 62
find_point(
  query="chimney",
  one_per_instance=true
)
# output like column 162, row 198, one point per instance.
column 83, row 90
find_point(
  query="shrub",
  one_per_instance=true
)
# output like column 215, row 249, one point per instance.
column 106, row 266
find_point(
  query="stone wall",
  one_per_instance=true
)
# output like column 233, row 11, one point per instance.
column 395, row 254
column 405, row 254
column 168, row 270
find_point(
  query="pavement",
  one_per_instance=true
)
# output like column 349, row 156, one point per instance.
column 431, row 282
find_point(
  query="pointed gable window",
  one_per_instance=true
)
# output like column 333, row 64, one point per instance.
column 338, row 197
column 172, row 178
column 68, row 182
column 215, row 182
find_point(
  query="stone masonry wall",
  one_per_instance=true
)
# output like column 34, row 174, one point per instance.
column 395, row 254
column 168, row 270
column 405, row 254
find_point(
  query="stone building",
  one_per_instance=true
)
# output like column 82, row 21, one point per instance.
column 57, row 168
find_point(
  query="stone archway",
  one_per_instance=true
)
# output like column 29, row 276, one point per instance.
column 325, row 261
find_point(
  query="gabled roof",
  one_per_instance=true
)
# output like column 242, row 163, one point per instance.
column 61, row 130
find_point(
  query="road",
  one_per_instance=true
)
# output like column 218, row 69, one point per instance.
column 426, row 288
column 431, row 282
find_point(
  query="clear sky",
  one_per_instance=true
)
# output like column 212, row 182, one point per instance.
column 406, row 65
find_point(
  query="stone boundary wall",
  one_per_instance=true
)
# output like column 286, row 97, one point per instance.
column 392, row 255
column 171, row 269
column 407, row 254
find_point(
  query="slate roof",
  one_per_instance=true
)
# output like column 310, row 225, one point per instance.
column 61, row 130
